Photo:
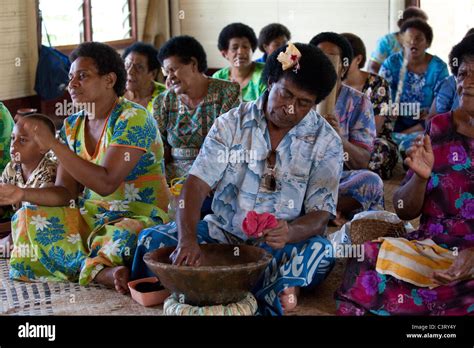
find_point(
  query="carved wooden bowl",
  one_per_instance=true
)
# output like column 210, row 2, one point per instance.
column 226, row 274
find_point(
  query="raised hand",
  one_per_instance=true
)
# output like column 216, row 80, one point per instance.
column 420, row 157
column 40, row 133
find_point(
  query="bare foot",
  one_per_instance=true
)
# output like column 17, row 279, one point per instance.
column 6, row 246
column 114, row 277
column 288, row 298
column 339, row 220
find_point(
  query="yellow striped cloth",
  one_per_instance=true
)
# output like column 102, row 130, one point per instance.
column 413, row 261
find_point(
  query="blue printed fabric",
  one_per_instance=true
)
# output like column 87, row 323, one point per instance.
column 307, row 171
column 385, row 47
column 417, row 88
column 446, row 97
column 302, row 264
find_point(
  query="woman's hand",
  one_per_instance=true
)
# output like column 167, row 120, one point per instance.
column 420, row 157
column 40, row 133
column 10, row 194
column 279, row 236
column 462, row 268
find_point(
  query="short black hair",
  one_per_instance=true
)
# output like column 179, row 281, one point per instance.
column 470, row 32
column 461, row 51
column 315, row 75
column 412, row 12
column 44, row 119
column 146, row 50
column 338, row 40
column 358, row 47
column 421, row 25
column 236, row 30
column 272, row 32
column 184, row 47
column 107, row 60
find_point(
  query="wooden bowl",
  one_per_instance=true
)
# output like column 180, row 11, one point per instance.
column 226, row 274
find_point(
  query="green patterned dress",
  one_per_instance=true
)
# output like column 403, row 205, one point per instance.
column 254, row 88
column 76, row 242
column 184, row 129
column 6, row 128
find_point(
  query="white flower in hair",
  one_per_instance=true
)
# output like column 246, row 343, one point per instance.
column 290, row 58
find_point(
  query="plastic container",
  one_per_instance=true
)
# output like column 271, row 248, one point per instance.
column 148, row 292
column 175, row 189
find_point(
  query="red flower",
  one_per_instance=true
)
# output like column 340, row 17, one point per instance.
column 254, row 224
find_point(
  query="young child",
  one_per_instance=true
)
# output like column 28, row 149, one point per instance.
column 29, row 167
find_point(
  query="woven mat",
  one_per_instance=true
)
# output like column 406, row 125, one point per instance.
column 20, row 298
column 63, row 298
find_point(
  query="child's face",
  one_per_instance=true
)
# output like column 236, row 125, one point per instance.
column 23, row 149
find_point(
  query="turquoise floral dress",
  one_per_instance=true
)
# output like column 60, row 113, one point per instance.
column 6, row 127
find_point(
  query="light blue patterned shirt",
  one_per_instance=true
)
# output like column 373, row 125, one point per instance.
column 386, row 46
column 308, row 168
column 446, row 97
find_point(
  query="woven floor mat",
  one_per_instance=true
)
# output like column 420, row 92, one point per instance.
column 51, row 298
column 20, row 298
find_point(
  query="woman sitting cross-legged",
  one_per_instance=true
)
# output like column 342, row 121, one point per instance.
column 237, row 42
column 271, row 37
column 413, row 75
column 392, row 43
column 384, row 155
column 353, row 119
column 109, row 186
column 142, row 65
column 188, row 109
column 446, row 97
column 431, row 271
column 6, row 127
column 292, row 171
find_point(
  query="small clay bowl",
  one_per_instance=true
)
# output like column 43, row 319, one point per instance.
column 148, row 291
column 226, row 274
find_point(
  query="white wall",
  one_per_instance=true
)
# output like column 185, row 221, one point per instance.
column 204, row 19
column 450, row 22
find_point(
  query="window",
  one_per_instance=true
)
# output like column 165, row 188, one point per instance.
column 71, row 22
